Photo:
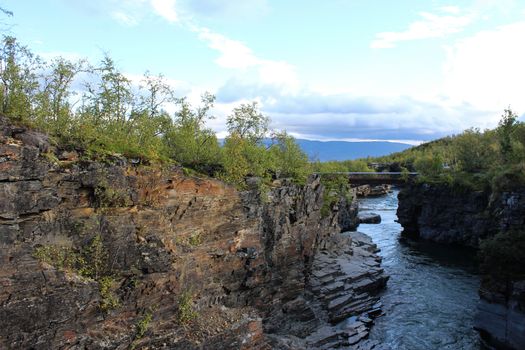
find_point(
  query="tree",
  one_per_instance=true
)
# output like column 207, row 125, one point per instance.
column 19, row 74
column 110, row 99
column 156, row 93
column 507, row 125
column 473, row 151
column 248, row 122
column 243, row 158
column 53, row 112
column 289, row 159
column 189, row 141
column 429, row 165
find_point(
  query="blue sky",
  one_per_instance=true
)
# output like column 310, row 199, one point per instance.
column 326, row 70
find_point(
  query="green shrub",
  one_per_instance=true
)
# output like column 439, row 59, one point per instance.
column 143, row 324
column 335, row 187
column 58, row 256
column 186, row 313
column 108, row 299
column 503, row 255
column 289, row 160
column 195, row 239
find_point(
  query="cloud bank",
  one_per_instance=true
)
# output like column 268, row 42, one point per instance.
column 448, row 22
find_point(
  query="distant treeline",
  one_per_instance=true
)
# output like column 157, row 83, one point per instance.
column 476, row 159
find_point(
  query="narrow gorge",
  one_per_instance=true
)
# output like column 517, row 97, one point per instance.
column 117, row 255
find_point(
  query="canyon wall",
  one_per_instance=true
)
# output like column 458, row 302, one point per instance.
column 444, row 214
column 108, row 255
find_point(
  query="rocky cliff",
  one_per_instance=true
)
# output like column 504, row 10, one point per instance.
column 108, row 255
column 501, row 314
column 447, row 215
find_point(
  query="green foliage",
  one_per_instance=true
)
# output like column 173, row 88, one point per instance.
column 90, row 262
column 473, row 159
column 93, row 259
column 248, row 123
column 189, row 142
column 143, row 324
column 335, row 188
column 113, row 117
column 502, row 256
column 195, row 239
column 108, row 298
column 358, row 165
column 288, row 159
column 62, row 258
column 507, row 125
column 19, row 80
column 243, row 158
column 430, row 165
column 186, row 313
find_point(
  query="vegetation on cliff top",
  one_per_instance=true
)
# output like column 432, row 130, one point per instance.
column 99, row 111
column 475, row 159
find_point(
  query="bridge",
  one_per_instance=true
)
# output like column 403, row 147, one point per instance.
column 374, row 178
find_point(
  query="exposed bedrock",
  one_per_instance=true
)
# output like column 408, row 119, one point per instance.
column 111, row 256
column 501, row 315
column 373, row 191
column 347, row 213
column 447, row 215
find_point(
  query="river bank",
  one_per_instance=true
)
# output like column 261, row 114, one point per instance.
column 431, row 298
column 465, row 217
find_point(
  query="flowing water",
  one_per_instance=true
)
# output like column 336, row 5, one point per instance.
column 431, row 297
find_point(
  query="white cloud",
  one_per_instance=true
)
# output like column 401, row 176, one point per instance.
column 124, row 18
column 451, row 9
column 487, row 69
column 233, row 54
column 165, row 9
column 227, row 9
column 236, row 55
column 430, row 26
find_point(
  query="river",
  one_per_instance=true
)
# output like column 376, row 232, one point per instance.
column 431, row 297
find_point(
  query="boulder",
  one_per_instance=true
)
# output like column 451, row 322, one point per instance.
column 369, row 218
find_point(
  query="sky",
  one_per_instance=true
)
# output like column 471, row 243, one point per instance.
column 406, row 70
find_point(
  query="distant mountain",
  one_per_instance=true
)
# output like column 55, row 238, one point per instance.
column 342, row 150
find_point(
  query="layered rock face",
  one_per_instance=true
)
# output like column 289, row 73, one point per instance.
column 443, row 214
column 111, row 256
column 440, row 214
column 501, row 314
column 446, row 215
column 347, row 213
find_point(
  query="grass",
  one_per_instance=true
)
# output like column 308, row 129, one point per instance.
column 89, row 262
column 186, row 313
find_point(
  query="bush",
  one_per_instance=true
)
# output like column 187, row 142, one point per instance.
column 503, row 256
column 243, row 158
column 335, row 188
column 185, row 308
column 288, row 159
